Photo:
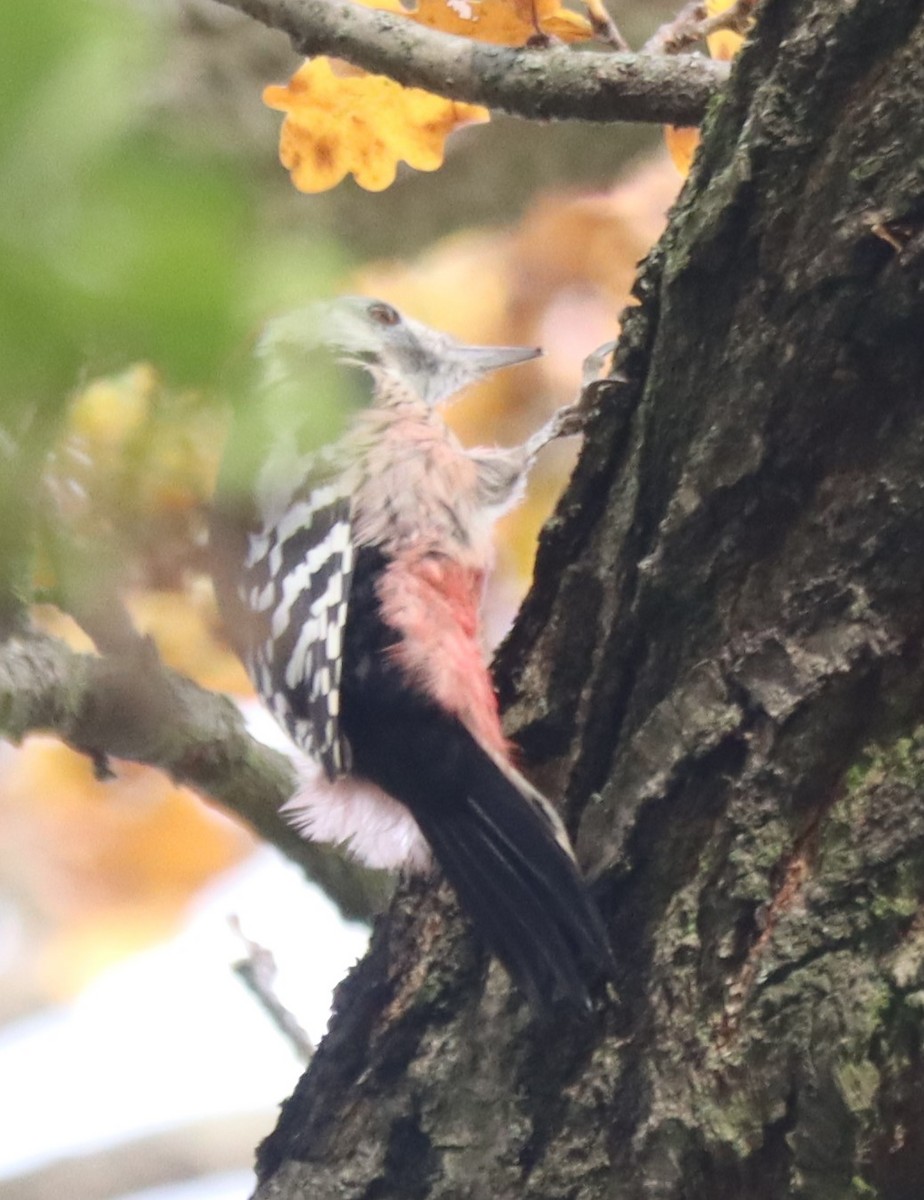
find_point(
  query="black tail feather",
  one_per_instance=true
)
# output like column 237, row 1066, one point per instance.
column 552, row 871
column 518, row 884
column 507, row 914
column 521, row 888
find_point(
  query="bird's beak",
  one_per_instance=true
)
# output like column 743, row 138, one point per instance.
column 452, row 366
column 481, row 360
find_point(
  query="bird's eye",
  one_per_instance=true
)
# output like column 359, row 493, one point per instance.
column 384, row 314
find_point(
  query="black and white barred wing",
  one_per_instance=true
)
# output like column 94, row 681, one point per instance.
column 297, row 586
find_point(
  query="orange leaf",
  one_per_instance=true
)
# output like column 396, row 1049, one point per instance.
column 503, row 22
column 362, row 125
column 344, row 122
column 681, row 142
column 723, row 45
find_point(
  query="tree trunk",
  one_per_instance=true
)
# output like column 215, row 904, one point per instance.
column 720, row 669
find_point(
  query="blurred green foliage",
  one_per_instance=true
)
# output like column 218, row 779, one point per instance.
column 117, row 243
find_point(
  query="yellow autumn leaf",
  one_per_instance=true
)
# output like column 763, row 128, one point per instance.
column 111, row 410
column 126, row 485
column 127, row 444
column 343, row 122
column 362, row 125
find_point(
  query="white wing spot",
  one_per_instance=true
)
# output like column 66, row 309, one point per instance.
column 261, row 600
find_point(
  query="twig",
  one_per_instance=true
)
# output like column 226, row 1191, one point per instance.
column 604, row 27
column 678, row 33
column 558, row 83
column 693, row 24
column 257, row 971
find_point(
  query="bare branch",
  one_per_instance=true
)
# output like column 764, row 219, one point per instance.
column 553, row 84
column 134, row 708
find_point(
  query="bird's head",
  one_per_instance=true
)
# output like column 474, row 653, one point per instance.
column 431, row 364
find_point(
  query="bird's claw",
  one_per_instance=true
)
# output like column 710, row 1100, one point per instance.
column 593, row 369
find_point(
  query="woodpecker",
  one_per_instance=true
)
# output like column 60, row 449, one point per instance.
column 352, row 579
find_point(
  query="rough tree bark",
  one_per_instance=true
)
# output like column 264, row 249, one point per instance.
column 720, row 668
